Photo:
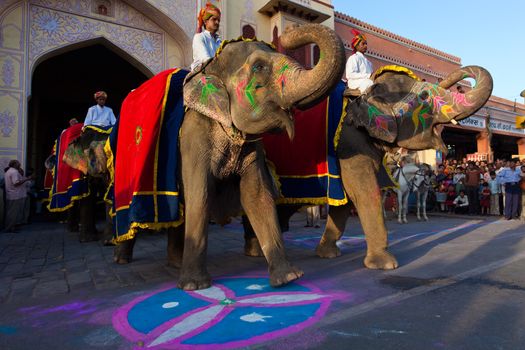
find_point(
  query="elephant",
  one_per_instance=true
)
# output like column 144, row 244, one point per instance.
column 223, row 169
column 397, row 111
column 85, row 153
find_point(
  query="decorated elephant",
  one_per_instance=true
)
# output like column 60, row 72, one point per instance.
column 85, row 154
column 245, row 90
column 399, row 110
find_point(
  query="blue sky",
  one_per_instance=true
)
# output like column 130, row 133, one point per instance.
column 487, row 33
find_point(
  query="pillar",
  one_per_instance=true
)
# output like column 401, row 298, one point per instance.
column 521, row 147
column 483, row 143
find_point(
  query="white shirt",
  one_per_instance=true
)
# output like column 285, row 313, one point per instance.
column 100, row 116
column 461, row 201
column 358, row 72
column 12, row 192
column 204, row 46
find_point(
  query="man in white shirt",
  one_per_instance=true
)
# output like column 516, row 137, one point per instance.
column 358, row 67
column 15, row 194
column 100, row 114
column 206, row 42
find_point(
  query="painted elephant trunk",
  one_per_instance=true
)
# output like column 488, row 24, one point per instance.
column 305, row 88
column 467, row 104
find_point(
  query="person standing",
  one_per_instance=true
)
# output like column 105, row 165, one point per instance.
column 472, row 177
column 313, row 216
column 16, row 193
column 100, row 115
column 510, row 177
column 495, row 192
column 358, row 67
column 207, row 41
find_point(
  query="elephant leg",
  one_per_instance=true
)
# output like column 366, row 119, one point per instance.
column 107, row 235
column 88, row 230
column 175, row 246
column 73, row 218
column 123, row 252
column 251, row 244
column 359, row 179
column 258, row 203
column 335, row 226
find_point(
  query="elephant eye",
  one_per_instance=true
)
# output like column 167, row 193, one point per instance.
column 258, row 67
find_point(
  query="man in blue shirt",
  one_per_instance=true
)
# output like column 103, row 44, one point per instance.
column 510, row 177
column 100, row 115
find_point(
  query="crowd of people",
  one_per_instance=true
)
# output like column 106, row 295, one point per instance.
column 481, row 188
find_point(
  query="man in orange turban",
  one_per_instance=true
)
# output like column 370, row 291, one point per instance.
column 100, row 114
column 206, row 42
column 358, row 67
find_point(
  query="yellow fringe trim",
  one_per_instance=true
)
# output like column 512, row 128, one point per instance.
column 102, row 131
column 313, row 201
column 337, row 135
column 241, row 38
column 394, row 68
column 73, row 199
column 136, row 226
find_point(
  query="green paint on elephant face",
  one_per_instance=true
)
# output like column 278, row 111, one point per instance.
column 250, row 91
column 207, row 89
column 373, row 112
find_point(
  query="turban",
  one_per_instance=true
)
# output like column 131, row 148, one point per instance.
column 100, row 94
column 205, row 13
column 358, row 37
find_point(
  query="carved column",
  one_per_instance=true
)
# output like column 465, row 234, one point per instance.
column 483, row 143
column 521, row 146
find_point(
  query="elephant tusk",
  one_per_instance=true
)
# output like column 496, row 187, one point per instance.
column 454, row 121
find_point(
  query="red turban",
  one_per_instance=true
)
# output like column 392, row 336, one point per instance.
column 205, row 13
column 358, row 37
column 100, row 94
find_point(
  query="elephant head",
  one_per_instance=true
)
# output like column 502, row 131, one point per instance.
column 406, row 112
column 86, row 153
column 250, row 86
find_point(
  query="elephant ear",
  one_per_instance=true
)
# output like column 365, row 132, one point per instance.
column 379, row 124
column 206, row 94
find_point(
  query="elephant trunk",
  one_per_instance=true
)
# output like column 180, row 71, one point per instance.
column 305, row 88
column 473, row 99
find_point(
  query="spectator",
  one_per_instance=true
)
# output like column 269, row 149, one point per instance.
column 459, row 175
column 460, row 186
column 16, row 194
column 461, row 203
column 451, row 196
column 510, row 177
column 313, row 216
column 472, row 177
column 484, row 199
column 441, row 197
column 495, row 192
column 440, row 175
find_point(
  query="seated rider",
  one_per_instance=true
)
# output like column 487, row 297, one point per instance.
column 206, row 43
column 100, row 115
column 358, row 67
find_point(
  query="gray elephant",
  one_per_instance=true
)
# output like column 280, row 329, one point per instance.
column 246, row 90
column 399, row 110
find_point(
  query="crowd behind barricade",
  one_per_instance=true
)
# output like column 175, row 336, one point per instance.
column 481, row 188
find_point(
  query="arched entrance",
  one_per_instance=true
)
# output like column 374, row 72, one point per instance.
column 63, row 87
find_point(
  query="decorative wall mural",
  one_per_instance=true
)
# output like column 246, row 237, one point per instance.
column 7, row 123
column 233, row 312
column 50, row 30
column 184, row 13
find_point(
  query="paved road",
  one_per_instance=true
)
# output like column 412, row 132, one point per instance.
column 460, row 285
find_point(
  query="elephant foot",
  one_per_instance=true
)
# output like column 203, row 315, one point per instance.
column 252, row 247
column 175, row 262
column 383, row 260
column 122, row 254
column 282, row 276
column 327, row 250
column 194, row 282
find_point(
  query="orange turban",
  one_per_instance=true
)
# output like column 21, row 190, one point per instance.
column 205, row 13
column 100, row 94
column 358, row 37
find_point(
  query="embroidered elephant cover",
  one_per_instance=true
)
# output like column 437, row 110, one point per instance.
column 306, row 167
column 144, row 150
column 69, row 184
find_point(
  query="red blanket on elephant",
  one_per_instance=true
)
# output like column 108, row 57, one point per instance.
column 307, row 166
column 69, row 184
column 145, row 149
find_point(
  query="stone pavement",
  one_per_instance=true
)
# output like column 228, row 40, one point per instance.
column 58, row 293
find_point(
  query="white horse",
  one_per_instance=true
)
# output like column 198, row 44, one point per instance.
column 404, row 177
column 421, row 183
